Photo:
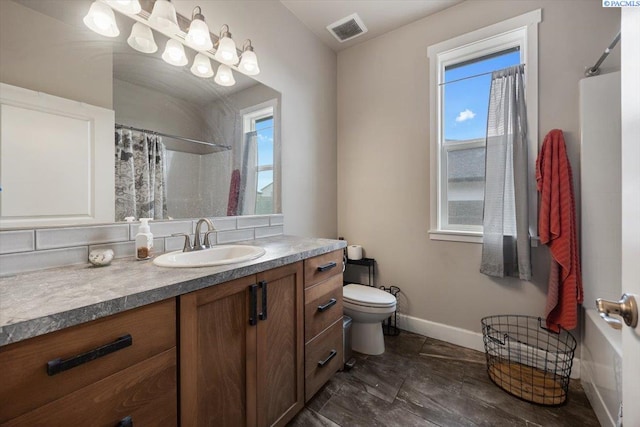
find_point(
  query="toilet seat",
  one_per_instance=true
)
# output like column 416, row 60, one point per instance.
column 367, row 296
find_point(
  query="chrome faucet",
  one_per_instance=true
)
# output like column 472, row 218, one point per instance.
column 210, row 229
column 197, row 246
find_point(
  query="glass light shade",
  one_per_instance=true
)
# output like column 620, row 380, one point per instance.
column 174, row 53
column 198, row 36
column 141, row 38
column 224, row 76
column 202, row 66
column 249, row 63
column 100, row 19
column 226, row 52
column 126, row 6
column 163, row 17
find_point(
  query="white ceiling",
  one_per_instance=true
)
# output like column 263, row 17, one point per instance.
column 379, row 16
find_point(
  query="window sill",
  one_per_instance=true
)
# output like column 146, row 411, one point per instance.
column 468, row 237
column 456, row 236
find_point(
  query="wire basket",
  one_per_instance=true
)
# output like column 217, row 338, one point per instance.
column 526, row 359
column 390, row 325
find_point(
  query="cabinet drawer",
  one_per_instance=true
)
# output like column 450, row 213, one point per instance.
column 27, row 385
column 322, row 307
column 145, row 392
column 322, row 267
column 318, row 351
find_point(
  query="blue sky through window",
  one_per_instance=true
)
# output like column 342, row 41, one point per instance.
column 466, row 102
column 264, row 128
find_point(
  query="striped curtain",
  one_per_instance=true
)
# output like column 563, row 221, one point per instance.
column 506, row 247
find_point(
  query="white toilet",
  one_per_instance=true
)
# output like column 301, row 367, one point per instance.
column 368, row 307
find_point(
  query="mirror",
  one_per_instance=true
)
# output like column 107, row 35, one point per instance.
column 221, row 144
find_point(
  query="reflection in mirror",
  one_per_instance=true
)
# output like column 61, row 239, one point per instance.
column 185, row 147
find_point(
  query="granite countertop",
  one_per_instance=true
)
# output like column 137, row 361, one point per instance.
column 33, row 304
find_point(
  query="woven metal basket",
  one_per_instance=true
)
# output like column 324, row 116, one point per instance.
column 526, row 359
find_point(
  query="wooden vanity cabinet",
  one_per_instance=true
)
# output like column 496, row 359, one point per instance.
column 323, row 319
column 241, row 351
column 127, row 373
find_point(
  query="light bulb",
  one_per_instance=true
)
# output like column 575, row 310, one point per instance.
column 249, row 62
column 131, row 7
column 224, row 77
column 141, row 38
column 202, row 66
column 163, row 17
column 100, row 19
column 198, row 36
column 226, row 49
column 174, row 53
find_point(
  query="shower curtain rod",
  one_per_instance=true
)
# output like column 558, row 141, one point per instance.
column 180, row 138
column 595, row 70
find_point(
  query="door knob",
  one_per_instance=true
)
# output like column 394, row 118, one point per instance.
column 625, row 308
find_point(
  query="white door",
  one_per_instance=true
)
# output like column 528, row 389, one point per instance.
column 631, row 208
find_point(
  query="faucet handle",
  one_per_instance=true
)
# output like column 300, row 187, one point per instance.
column 187, row 241
column 207, row 243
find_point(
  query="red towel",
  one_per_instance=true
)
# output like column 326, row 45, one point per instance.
column 234, row 193
column 557, row 229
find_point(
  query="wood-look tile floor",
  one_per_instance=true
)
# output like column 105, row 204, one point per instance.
column 420, row 381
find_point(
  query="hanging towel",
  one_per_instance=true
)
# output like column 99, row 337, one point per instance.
column 557, row 229
column 234, row 193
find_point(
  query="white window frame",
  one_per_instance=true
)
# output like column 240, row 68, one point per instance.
column 249, row 117
column 519, row 31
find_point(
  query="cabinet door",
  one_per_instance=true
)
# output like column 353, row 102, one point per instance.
column 218, row 356
column 280, row 345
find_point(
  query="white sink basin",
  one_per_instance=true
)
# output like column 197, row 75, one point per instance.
column 218, row 255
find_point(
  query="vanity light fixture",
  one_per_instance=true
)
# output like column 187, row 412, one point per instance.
column 226, row 48
column 126, row 6
column 198, row 36
column 174, row 53
column 248, row 60
column 141, row 39
column 224, row 76
column 100, row 19
column 202, row 66
column 163, row 17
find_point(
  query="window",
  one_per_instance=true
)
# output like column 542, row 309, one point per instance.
column 259, row 130
column 460, row 83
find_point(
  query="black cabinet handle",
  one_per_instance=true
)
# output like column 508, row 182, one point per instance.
column 58, row 365
column 327, row 266
column 263, row 286
column 328, row 305
column 325, row 361
column 126, row 422
column 253, row 305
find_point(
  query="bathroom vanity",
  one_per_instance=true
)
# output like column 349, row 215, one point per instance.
column 241, row 344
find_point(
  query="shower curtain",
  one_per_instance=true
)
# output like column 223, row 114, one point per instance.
column 505, row 247
column 248, row 181
column 140, row 180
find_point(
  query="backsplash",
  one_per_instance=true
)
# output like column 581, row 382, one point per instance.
column 37, row 249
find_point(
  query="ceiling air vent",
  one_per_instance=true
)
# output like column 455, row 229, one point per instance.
column 347, row 28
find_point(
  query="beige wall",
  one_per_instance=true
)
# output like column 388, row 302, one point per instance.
column 383, row 152
column 294, row 62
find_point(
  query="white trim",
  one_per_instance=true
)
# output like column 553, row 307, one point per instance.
column 456, row 236
column 529, row 50
column 454, row 335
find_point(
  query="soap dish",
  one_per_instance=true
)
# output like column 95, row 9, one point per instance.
column 101, row 257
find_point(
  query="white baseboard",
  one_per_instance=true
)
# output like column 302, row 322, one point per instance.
column 454, row 335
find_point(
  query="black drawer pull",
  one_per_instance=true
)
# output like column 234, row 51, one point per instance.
column 58, row 365
column 328, row 305
column 325, row 361
column 263, row 286
column 253, row 305
column 126, row 422
column 327, row 266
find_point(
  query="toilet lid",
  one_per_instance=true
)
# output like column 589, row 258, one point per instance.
column 367, row 295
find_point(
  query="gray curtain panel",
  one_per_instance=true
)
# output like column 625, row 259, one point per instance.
column 506, row 247
column 140, row 179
